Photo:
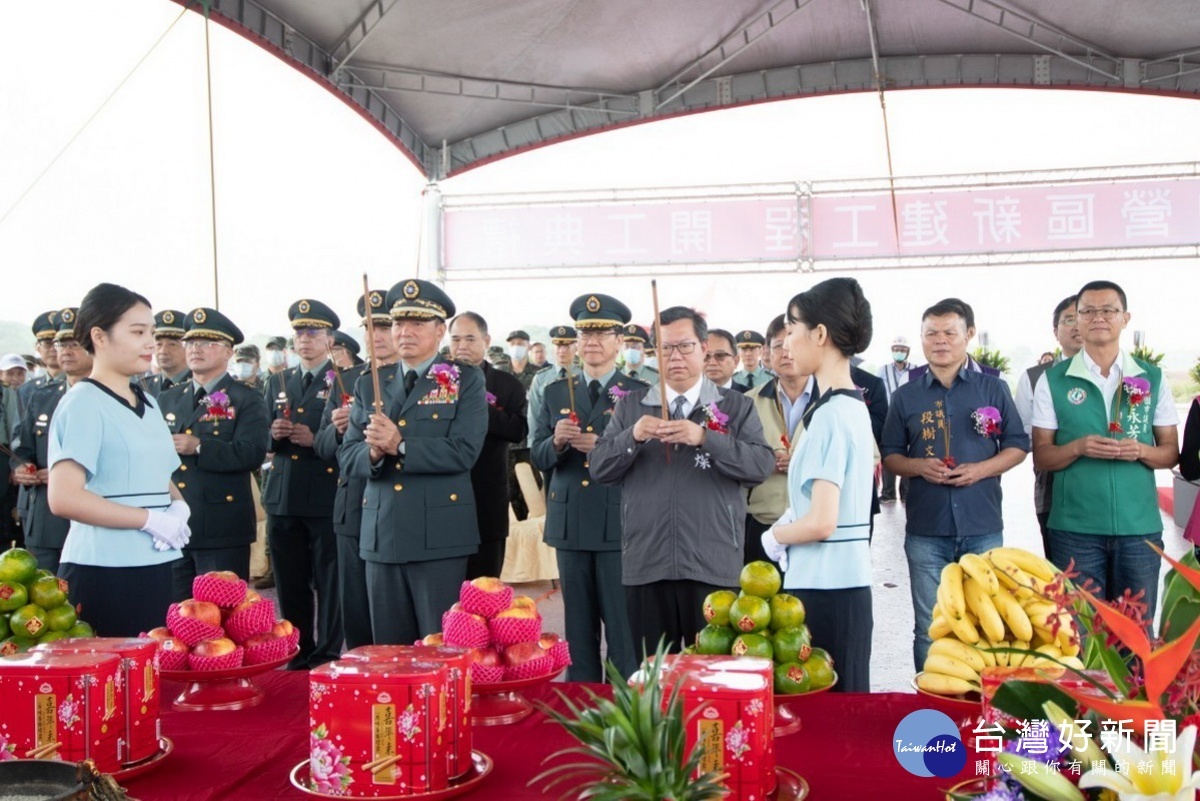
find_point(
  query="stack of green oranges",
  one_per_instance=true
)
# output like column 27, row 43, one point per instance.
column 33, row 605
column 762, row 621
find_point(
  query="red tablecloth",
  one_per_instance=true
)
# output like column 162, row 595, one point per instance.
column 844, row 749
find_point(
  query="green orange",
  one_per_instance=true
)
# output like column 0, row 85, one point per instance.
column 752, row 645
column 786, row 610
column 749, row 614
column 791, row 678
column 793, row 644
column 28, row 621
column 716, row 607
column 46, row 593
column 819, row 667
column 761, row 579
column 61, row 618
column 19, row 565
column 715, row 640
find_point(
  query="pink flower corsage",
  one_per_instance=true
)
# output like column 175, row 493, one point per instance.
column 217, row 406
column 330, row 378
column 446, row 376
column 716, row 420
column 1138, row 390
column 615, row 393
column 987, row 421
column 491, row 399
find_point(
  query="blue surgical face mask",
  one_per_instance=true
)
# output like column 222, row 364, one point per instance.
column 898, row 356
column 652, row 362
column 242, row 370
column 517, row 352
column 276, row 358
column 633, row 357
column 293, row 360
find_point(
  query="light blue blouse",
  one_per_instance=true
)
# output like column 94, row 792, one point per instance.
column 129, row 460
column 836, row 446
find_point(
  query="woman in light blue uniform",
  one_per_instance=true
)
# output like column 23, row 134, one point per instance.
column 823, row 539
column 111, row 458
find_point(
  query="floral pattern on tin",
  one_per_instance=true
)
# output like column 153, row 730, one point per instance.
column 68, row 711
column 328, row 769
column 407, row 724
column 737, row 741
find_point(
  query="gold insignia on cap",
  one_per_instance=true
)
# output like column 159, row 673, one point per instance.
column 593, row 304
column 198, row 315
column 52, row 316
column 303, row 307
column 169, row 317
column 746, row 335
column 68, row 316
column 376, row 300
column 411, row 289
column 631, row 329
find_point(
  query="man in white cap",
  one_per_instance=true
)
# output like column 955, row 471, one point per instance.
column 894, row 374
column 12, row 370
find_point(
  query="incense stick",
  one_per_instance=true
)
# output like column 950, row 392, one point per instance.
column 662, row 372
column 378, row 404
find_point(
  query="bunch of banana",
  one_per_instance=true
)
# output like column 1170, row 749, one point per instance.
column 995, row 601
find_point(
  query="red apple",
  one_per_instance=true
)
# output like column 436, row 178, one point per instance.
column 521, row 653
column 282, row 628
column 522, row 602
column 432, row 639
column 519, row 612
column 224, row 575
column 485, row 656
column 251, row 597
column 161, row 633
column 204, row 611
column 489, row 584
column 217, row 647
column 173, row 644
column 258, row 639
column 246, row 603
column 548, row 640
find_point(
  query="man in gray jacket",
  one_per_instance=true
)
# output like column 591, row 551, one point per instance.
column 683, row 480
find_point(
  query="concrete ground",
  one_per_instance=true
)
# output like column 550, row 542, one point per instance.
column 891, row 653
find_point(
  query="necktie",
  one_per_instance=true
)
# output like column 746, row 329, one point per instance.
column 594, row 391
column 410, row 381
column 677, row 412
column 562, row 372
column 306, row 382
column 167, row 383
column 750, row 380
column 200, row 395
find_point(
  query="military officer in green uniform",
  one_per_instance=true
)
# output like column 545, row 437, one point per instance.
column 44, row 532
column 345, row 350
column 45, row 327
column 348, row 503
column 518, row 358
column 583, row 518
column 168, row 353
column 636, row 339
column 416, row 454
column 299, row 490
column 750, row 348
column 220, row 430
column 565, row 342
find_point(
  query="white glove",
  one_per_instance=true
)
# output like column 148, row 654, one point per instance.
column 776, row 551
column 180, row 510
column 167, row 529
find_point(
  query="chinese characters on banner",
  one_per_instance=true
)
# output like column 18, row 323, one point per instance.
column 820, row 227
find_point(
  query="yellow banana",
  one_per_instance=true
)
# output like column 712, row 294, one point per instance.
column 1028, row 561
column 1039, row 611
column 1071, row 661
column 952, row 579
column 1018, row 660
column 1014, row 616
column 957, row 649
column 1042, row 636
column 1048, row 650
column 944, row 685
column 1021, row 589
column 949, row 666
column 981, row 604
column 939, row 628
column 989, row 658
column 964, row 630
column 1001, row 656
column 978, row 568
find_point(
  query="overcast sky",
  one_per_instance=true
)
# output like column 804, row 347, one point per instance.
column 310, row 196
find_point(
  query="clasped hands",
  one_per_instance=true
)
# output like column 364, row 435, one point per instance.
column 569, row 434
column 295, row 433
column 936, row 471
column 1094, row 446
column 677, row 432
column 383, row 435
column 22, row 477
column 169, row 527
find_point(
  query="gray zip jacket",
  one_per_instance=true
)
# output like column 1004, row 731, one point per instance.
column 684, row 519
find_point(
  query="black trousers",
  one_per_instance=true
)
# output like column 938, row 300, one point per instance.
column 489, row 561
column 197, row 561
column 407, row 600
column 670, row 610
column 841, row 622
column 304, row 558
column 119, row 601
column 352, row 583
column 593, row 596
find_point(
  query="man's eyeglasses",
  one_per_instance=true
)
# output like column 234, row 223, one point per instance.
column 1105, row 313
column 1068, row 321
column 717, row 356
column 595, row 336
column 201, row 344
column 308, row 333
column 684, row 348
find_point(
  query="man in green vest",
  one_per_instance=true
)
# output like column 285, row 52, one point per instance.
column 1103, row 422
